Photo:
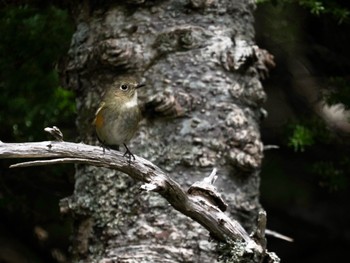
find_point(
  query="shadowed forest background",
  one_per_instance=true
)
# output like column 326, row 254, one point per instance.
column 304, row 185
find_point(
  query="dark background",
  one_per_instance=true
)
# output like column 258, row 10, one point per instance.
column 304, row 185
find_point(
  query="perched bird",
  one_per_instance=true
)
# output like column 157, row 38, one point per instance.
column 118, row 115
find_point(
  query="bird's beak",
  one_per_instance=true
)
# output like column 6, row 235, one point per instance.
column 140, row 85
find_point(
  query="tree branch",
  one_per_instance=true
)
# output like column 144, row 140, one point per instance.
column 201, row 203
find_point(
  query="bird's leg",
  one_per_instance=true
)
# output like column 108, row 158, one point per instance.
column 128, row 153
column 108, row 147
column 104, row 147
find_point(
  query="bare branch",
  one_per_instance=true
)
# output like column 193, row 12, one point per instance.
column 202, row 202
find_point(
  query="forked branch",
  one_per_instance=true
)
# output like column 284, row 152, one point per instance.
column 201, row 202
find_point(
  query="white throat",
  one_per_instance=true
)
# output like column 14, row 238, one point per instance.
column 132, row 103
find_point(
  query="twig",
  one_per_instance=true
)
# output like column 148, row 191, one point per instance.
column 270, row 147
column 53, row 161
column 278, row 235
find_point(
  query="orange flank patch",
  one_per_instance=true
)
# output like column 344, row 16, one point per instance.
column 99, row 119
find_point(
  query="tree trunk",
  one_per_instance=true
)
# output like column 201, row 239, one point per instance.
column 202, row 104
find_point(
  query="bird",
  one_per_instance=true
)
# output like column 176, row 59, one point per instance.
column 118, row 115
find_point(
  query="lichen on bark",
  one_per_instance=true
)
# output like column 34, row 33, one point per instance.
column 202, row 54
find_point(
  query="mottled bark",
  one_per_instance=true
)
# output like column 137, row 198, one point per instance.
column 203, row 105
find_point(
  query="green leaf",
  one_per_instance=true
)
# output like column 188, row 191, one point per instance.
column 300, row 138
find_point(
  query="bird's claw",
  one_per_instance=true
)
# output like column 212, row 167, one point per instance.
column 128, row 154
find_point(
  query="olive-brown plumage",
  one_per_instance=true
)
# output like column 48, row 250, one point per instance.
column 118, row 115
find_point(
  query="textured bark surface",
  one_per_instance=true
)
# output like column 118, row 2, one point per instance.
column 200, row 56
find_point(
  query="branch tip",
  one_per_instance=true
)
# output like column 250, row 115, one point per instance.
column 55, row 132
column 212, row 177
column 278, row 235
column 271, row 147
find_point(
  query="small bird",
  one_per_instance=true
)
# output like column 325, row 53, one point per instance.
column 118, row 116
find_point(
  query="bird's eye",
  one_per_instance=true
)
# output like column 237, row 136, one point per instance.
column 124, row 87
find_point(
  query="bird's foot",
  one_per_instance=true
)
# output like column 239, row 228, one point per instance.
column 105, row 147
column 128, row 154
